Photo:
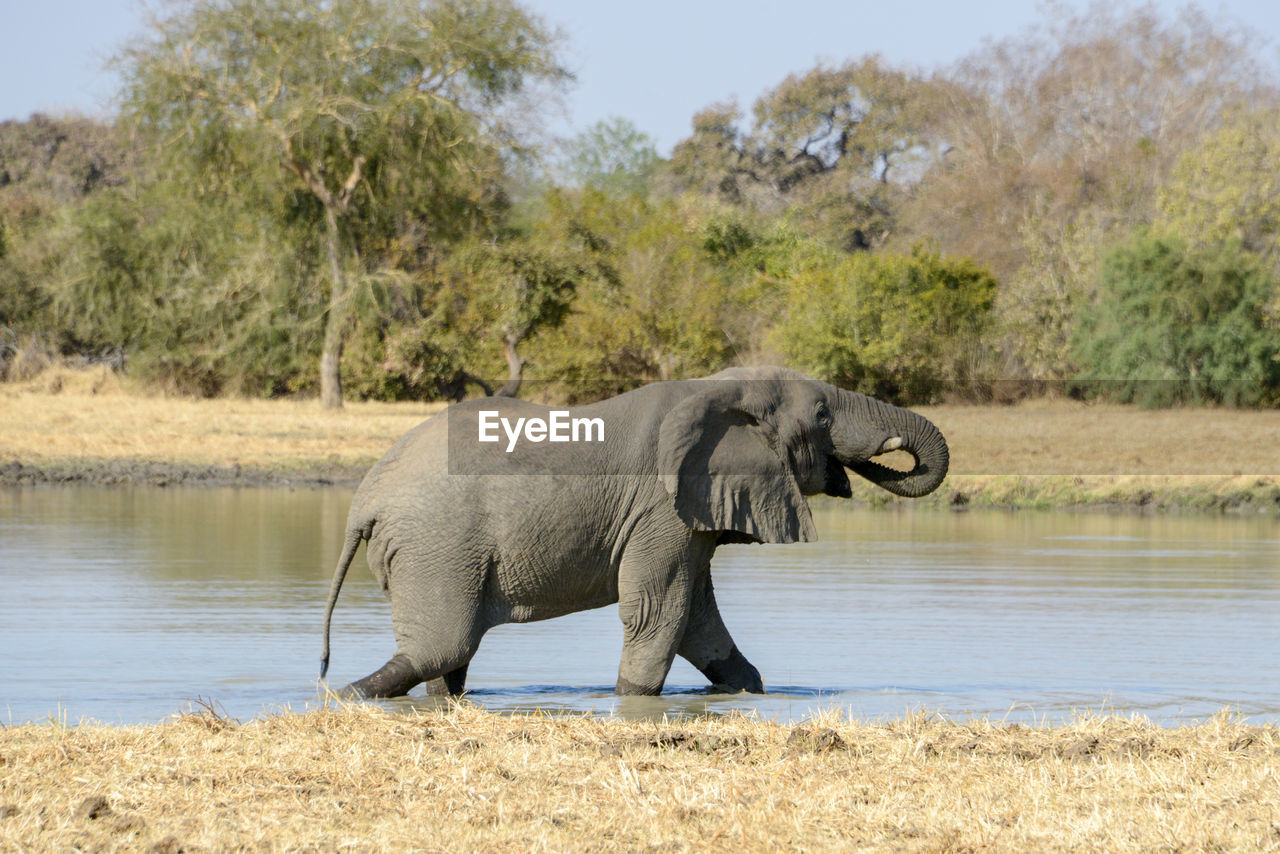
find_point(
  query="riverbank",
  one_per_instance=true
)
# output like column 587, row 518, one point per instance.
column 361, row 778
column 89, row 427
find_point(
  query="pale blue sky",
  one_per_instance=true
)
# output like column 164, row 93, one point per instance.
column 655, row 62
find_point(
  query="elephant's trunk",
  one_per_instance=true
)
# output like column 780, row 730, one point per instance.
column 865, row 427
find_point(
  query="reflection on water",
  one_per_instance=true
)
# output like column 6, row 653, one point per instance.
column 127, row 604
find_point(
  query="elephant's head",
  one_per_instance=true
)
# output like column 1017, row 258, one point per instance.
column 741, row 454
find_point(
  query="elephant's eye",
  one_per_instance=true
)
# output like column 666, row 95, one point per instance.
column 823, row 414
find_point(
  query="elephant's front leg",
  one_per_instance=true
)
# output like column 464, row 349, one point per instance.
column 708, row 646
column 653, row 603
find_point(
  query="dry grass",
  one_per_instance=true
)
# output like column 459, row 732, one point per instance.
column 1061, row 453
column 1046, row 453
column 66, row 415
column 457, row 780
column 1063, row 437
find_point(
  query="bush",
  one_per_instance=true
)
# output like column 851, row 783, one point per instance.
column 901, row 327
column 653, row 307
column 203, row 297
column 1170, row 325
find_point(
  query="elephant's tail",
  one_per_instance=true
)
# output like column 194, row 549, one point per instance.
column 354, row 536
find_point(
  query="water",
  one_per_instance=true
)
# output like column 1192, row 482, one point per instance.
column 128, row 605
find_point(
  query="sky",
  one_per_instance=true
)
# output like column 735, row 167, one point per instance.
column 653, row 62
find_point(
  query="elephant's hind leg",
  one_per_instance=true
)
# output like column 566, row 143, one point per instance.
column 451, row 684
column 392, row 679
column 397, row 677
column 437, row 627
column 400, row 674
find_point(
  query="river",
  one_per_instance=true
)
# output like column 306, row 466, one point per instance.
column 128, row 605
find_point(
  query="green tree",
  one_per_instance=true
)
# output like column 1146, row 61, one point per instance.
column 202, row 290
column 1227, row 190
column 652, row 307
column 903, row 327
column 613, row 156
column 755, row 263
column 1228, row 187
column 1175, row 325
column 371, row 108
column 48, row 167
column 832, row 148
column 518, row 287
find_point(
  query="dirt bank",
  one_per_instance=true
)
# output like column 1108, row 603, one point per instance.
column 128, row 472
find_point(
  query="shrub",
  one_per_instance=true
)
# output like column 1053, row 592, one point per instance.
column 902, row 327
column 1171, row 325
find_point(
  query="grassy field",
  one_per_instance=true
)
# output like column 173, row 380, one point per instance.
column 360, row 779
column 88, row 426
column 82, row 422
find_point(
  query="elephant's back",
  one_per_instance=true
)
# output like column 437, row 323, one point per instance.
column 417, row 458
column 423, row 446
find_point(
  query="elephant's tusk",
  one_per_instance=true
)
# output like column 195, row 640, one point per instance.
column 891, row 444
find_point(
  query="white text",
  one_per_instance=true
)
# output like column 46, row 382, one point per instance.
column 559, row 427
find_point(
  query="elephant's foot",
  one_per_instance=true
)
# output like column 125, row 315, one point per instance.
column 451, row 684
column 393, row 679
column 734, row 673
column 625, row 687
column 351, row 692
column 641, row 673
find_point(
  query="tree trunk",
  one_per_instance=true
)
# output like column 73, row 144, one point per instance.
column 335, row 317
column 331, row 350
column 515, row 364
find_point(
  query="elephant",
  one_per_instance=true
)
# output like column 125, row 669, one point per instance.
column 471, row 524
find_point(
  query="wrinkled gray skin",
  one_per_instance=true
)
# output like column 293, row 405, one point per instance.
column 685, row 466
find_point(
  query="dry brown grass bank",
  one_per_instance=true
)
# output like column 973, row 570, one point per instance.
column 87, row 425
column 1064, row 437
column 360, row 779
column 1065, row 454
column 84, row 424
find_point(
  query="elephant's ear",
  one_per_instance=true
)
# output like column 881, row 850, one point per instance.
column 717, row 459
